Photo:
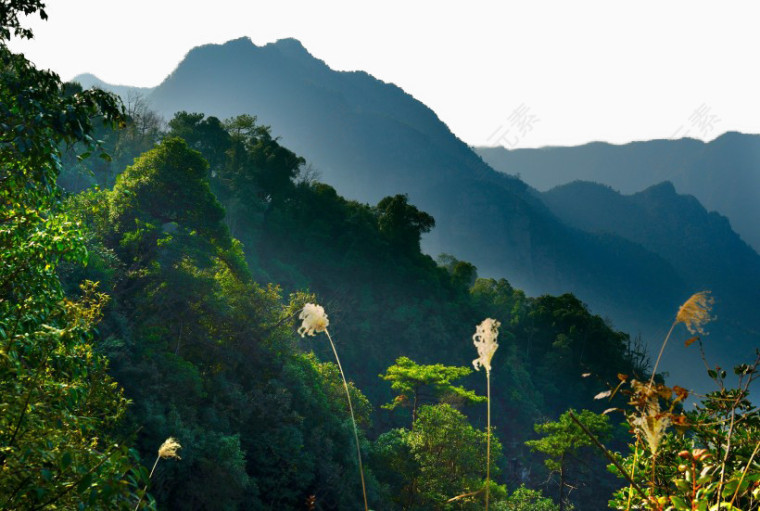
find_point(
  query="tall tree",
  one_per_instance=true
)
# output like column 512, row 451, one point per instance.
column 204, row 134
column 414, row 383
column 562, row 440
column 402, row 223
column 57, row 403
column 436, row 465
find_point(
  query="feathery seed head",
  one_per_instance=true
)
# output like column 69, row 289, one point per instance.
column 695, row 312
column 484, row 339
column 650, row 421
column 169, row 448
column 652, row 427
column 314, row 320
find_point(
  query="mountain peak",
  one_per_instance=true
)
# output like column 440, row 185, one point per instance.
column 292, row 49
column 89, row 81
column 86, row 77
column 240, row 42
column 230, row 49
column 290, row 44
column 665, row 188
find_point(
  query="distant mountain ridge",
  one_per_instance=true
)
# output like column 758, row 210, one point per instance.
column 723, row 174
column 699, row 245
column 370, row 139
column 89, row 81
column 283, row 85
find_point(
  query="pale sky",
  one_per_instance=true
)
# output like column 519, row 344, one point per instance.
column 520, row 74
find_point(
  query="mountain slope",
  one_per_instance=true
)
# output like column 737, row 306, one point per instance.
column 698, row 244
column 723, row 174
column 370, row 139
column 340, row 121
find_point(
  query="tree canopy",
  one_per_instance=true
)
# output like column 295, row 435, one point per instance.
column 410, row 381
column 58, row 404
column 198, row 260
column 562, row 440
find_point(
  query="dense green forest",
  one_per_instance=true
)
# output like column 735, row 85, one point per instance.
column 152, row 297
column 194, row 309
column 628, row 258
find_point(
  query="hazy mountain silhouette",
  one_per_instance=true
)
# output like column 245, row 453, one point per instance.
column 370, row 139
column 699, row 245
column 88, row 81
column 351, row 126
column 723, row 174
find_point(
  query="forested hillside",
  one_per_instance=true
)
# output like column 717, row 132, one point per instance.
column 700, row 246
column 170, row 261
column 369, row 139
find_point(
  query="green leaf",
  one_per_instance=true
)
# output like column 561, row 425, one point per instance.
column 679, row 502
column 742, row 369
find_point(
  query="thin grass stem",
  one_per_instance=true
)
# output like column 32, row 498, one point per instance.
column 146, row 485
column 662, row 349
column 488, row 439
column 744, row 473
column 353, row 420
column 633, row 473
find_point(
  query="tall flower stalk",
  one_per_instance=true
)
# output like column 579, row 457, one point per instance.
column 167, row 450
column 314, row 320
column 694, row 313
column 484, row 339
column 652, row 423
